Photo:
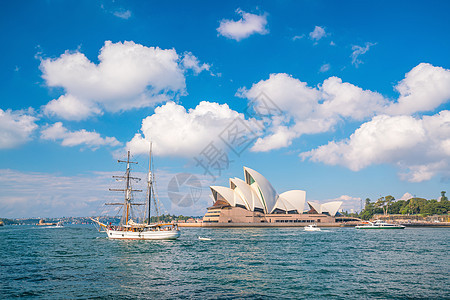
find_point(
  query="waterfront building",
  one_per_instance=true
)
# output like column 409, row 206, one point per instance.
column 255, row 201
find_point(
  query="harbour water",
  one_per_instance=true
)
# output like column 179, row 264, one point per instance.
column 77, row 262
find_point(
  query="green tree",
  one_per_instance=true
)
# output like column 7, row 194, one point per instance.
column 443, row 197
column 383, row 203
column 388, row 200
column 395, row 207
column 406, row 208
column 433, row 207
column 417, row 205
column 368, row 211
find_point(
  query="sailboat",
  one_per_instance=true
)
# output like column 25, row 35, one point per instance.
column 128, row 229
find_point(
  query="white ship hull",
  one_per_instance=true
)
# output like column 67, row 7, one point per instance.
column 311, row 229
column 128, row 229
column 145, row 235
column 378, row 224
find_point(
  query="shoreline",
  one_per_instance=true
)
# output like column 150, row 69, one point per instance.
column 266, row 225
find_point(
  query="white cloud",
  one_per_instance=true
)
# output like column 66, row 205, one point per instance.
column 349, row 203
column 279, row 137
column 346, row 198
column 288, row 93
column 28, row 194
column 38, row 194
column 418, row 147
column 127, row 76
column 71, row 108
column 424, row 88
column 123, row 14
column 177, row 132
column 298, row 37
column 382, row 138
column 189, row 61
column 359, row 50
column 16, row 128
column 118, row 12
column 317, row 33
column 324, row 68
column 249, row 24
column 349, row 101
column 309, row 110
column 68, row 138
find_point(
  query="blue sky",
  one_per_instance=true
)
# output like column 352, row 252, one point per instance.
column 361, row 92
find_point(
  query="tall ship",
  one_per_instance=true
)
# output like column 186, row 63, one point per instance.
column 129, row 229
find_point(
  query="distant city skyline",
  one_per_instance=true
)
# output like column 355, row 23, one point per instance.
column 345, row 100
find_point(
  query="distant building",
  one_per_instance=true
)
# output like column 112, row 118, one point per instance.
column 256, row 201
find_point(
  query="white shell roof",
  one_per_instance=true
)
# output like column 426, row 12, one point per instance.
column 283, row 204
column 269, row 194
column 260, row 194
column 329, row 207
column 229, row 195
column 247, row 193
column 316, row 206
column 297, row 198
column 226, row 193
column 332, row 207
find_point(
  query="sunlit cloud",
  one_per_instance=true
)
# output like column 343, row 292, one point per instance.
column 16, row 128
column 249, row 24
column 90, row 139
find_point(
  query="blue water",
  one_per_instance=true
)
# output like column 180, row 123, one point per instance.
column 77, row 262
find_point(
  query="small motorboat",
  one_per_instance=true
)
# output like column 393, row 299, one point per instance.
column 204, row 238
column 312, row 227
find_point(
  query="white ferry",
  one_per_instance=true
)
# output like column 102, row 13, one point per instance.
column 378, row 224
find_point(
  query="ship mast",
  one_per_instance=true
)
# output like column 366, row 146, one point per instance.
column 149, row 185
column 128, row 190
column 151, row 190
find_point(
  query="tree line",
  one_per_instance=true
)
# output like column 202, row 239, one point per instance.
column 388, row 205
column 167, row 218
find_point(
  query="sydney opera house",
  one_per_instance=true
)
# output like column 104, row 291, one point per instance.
column 255, row 201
